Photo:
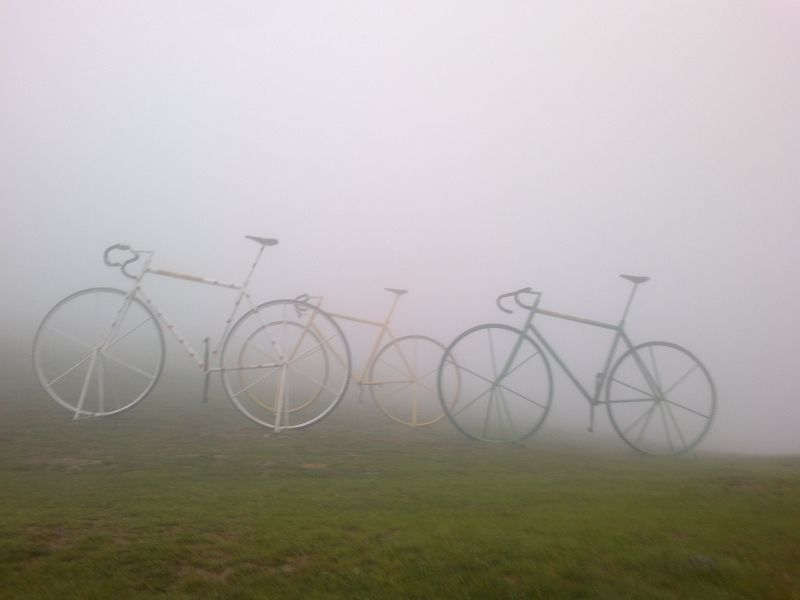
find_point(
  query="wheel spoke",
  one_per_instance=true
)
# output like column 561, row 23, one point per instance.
column 84, row 389
column 666, row 426
column 414, row 406
column 492, row 353
column 249, row 343
column 122, row 337
column 254, row 383
column 534, row 355
column 475, row 374
column 311, row 378
column 280, row 397
column 531, row 400
column 675, row 424
column 101, row 399
column 498, row 412
column 642, row 416
column 384, row 362
column 425, row 386
column 110, row 386
column 655, row 366
column 71, row 369
column 489, row 407
column 324, row 342
column 306, row 329
column 472, row 402
column 627, row 385
column 70, row 337
column 649, row 416
column 699, row 414
column 682, row 378
column 508, row 415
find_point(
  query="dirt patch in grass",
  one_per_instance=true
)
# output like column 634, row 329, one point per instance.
column 52, row 538
column 206, row 574
column 70, row 463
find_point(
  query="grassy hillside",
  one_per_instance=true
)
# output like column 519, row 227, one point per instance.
column 183, row 500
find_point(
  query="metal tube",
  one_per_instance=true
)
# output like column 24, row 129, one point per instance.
column 557, row 315
column 194, row 278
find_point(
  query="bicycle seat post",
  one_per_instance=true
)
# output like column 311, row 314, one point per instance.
column 262, row 243
column 397, row 293
column 635, row 280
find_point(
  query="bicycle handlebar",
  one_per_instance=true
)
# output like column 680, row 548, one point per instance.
column 122, row 265
column 516, row 294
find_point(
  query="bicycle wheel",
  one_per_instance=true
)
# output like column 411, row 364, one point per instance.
column 660, row 398
column 285, row 364
column 98, row 352
column 503, row 395
column 402, row 380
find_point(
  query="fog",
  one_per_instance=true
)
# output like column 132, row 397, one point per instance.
column 456, row 149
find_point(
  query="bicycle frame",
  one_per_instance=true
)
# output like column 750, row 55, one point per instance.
column 384, row 331
column 619, row 335
column 163, row 320
column 592, row 398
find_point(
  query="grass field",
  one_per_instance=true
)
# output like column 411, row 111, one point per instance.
column 178, row 499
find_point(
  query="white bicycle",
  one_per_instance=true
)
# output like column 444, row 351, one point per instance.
column 100, row 351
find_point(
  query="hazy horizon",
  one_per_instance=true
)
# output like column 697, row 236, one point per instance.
column 456, row 149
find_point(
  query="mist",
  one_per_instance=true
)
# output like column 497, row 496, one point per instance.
column 459, row 150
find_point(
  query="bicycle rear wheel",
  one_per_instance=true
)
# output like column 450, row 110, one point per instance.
column 402, row 380
column 660, row 398
column 505, row 386
column 98, row 352
column 285, row 364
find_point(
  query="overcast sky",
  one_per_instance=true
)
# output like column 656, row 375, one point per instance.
column 459, row 149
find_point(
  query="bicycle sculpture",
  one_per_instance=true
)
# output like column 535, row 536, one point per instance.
column 659, row 396
column 400, row 375
column 100, row 351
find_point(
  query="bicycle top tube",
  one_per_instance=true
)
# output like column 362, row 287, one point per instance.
column 592, row 322
column 317, row 301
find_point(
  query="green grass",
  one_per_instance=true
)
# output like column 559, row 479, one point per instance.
column 183, row 500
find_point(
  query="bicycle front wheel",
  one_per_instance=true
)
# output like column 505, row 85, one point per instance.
column 98, row 352
column 402, row 380
column 285, row 364
column 504, row 387
column 660, row 398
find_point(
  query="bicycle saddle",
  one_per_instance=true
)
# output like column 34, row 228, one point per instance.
column 637, row 279
column 395, row 291
column 262, row 241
